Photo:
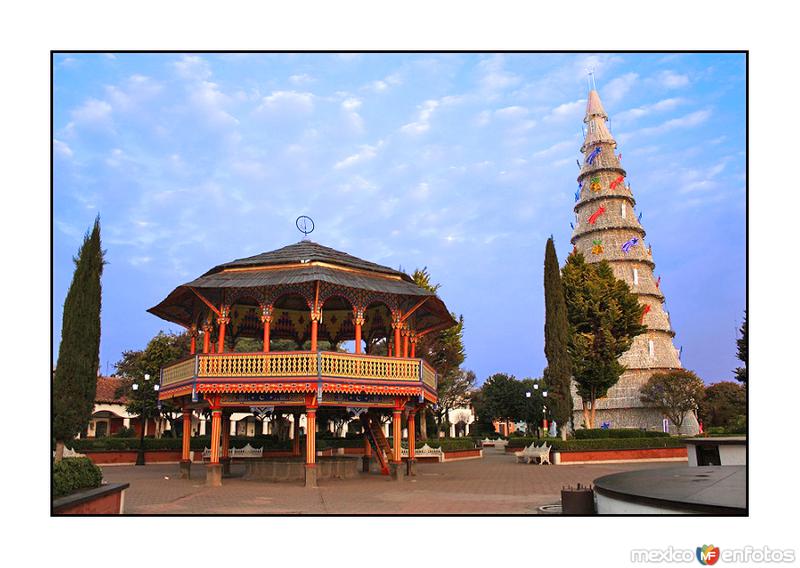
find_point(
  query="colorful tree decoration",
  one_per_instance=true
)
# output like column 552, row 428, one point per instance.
column 590, row 158
column 578, row 194
column 650, row 250
column 646, row 310
column 619, row 156
column 597, row 246
column 594, row 184
column 626, row 247
column 658, row 282
column 640, row 216
column 617, row 182
column 596, row 214
column 577, row 161
column 571, row 226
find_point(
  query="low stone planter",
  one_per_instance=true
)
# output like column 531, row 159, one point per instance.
column 563, row 457
column 108, row 499
column 454, row 455
column 293, row 469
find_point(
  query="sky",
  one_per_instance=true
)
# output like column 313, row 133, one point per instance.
column 461, row 163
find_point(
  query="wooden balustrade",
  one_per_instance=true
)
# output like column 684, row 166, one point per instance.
column 299, row 364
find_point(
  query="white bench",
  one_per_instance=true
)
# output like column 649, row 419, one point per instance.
column 500, row 445
column 247, row 451
column 425, row 452
column 532, row 453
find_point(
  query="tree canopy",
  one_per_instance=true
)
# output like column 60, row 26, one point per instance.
column 675, row 393
column 604, row 317
column 723, row 404
column 741, row 352
column 75, row 377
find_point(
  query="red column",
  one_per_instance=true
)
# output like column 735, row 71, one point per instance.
column 413, row 347
column 226, row 437
column 266, row 319
column 187, row 435
column 397, row 341
column 412, row 443
column 193, row 346
column 311, row 437
column 397, row 435
column 358, row 321
column 223, row 321
column 206, row 336
column 314, row 327
column 405, row 343
column 216, row 426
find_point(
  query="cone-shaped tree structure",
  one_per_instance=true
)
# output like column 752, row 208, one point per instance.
column 75, row 380
column 607, row 228
column 556, row 339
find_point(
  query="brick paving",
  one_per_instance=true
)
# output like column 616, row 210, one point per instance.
column 493, row 485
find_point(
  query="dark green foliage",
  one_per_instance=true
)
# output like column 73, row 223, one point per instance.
column 558, row 373
column 73, row 474
column 675, row 393
column 741, row 352
column 597, row 433
column 162, row 350
column 501, row 397
column 125, row 433
column 723, row 405
column 532, row 407
column 75, row 378
column 604, row 317
column 601, row 443
column 268, row 442
column 447, row 444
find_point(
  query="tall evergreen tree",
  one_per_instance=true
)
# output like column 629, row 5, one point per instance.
column 75, row 378
column 604, row 317
column 556, row 341
column 741, row 344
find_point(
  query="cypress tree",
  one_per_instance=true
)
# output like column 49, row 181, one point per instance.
column 741, row 352
column 556, row 341
column 75, row 379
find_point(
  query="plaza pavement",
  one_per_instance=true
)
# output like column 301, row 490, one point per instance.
column 492, row 485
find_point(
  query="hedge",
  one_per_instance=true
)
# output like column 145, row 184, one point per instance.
column 602, row 443
column 594, row 433
column 197, row 443
column 73, row 474
column 447, row 444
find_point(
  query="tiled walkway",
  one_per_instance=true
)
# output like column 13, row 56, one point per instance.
column 494, row 484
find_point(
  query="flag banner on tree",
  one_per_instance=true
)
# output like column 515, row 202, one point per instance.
column 645, row 312
column 640, row 216
column 591, row 157
column 658, row 282
column 578, row 194
column 619, row 156
column 594, row 184
column 577, row 161
column 572, row 226
column 593, row 218
column 597, row 246
column 650, row 250
column 626, row 247
column 617, row 182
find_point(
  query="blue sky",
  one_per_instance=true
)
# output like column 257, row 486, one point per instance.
column 464, row 163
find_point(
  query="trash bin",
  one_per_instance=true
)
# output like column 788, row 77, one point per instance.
column 577, row 500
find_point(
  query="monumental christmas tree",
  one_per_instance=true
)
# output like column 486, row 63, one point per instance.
column 607, row 228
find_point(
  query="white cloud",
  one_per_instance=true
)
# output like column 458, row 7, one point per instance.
column 645, row 110
column 301, row 79
column 350, row 108
column 511, row 112
column 672, row 80
column 557, row 148
column 422, row 191
column 687, row 121
column 423, row 122
column 288, row 101
column 571, row 110
column 381, row 85
column 365, row 154
column 116, row 158
column 494, row 77
column 135, row 90
column 618, row 87
column 207, row 97
column 193, row 67
column 140, row 260
column 93, row 112
column 62, row 149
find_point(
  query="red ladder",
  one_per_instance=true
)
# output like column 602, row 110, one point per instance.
column 376, row 438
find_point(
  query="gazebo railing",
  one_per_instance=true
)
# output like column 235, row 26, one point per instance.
column 298, row 364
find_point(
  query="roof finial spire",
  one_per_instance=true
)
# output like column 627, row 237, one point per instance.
column 590, row 78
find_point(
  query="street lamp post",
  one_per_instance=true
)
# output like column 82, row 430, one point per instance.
column 143, row 416
column 544, row 412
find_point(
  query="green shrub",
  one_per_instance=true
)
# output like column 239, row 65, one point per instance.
column 268, row 442
column 72, row 474
column 447, row 444
column 595, row 433
column 601, row 443
column 125, row 433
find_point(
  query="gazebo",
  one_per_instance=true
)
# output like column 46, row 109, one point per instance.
column 305, row 293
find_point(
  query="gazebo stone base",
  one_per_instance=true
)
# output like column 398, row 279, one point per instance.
column 226, row 465
column 411, row 467
column 396, row 471
column 365, row 464
column 311, row 476
column 186, row 469
column 214, row 475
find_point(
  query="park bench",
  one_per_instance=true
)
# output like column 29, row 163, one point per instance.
column 532, row 453
column 425, row 452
